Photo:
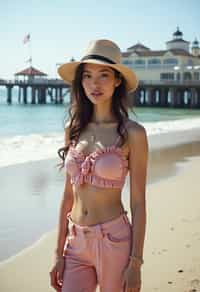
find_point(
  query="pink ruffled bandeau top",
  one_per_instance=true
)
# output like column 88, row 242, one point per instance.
column 105, row 167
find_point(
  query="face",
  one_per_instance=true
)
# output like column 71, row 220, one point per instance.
column 99, row 82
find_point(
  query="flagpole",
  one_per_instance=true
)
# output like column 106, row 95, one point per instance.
column 30, row 50
column 27, row 39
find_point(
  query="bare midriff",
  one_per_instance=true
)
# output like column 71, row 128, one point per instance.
column 93, row 205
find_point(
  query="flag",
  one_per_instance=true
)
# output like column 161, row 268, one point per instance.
column 26, row 38
column 29, row 60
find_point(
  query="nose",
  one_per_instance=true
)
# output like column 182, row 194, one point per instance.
column 95, row 80
column 95, row 84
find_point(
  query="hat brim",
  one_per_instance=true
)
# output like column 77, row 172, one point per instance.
column 67, row 72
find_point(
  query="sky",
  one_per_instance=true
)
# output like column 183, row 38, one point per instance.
column 62, row 29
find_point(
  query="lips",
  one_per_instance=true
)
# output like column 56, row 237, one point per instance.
column 96, row 93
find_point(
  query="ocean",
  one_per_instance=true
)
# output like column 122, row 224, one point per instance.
column 20, row 119
column 36, row 131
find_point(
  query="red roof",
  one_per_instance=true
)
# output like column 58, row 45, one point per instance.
column 30, row 72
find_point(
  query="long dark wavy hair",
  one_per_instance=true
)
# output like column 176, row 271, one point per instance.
column 81, row 109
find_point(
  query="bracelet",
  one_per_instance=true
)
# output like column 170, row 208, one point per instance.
column 137, row 260
column 58, row 258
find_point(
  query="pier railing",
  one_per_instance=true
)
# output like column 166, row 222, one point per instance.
column 171, row 82
column 33, row 82
column 61, row 82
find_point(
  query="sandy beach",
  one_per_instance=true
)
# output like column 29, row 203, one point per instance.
column 173, row 235
column 171, row 253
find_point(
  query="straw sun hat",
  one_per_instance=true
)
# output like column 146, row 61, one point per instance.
column 102, row 52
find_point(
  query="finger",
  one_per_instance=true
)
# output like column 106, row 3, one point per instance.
column 134, row 290
column 59, row 277
column 57, row 287
column 59, row 281
column 54, row 282
column 123, row 283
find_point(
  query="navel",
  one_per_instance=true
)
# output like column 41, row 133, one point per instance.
column 85, row 212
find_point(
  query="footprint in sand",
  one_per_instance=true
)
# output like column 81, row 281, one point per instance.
column 170, row 282
column 195, row 283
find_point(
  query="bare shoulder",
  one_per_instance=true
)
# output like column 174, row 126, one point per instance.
column 134, row 128
column 137, row 134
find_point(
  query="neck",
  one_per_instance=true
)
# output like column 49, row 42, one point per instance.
column 102, row 114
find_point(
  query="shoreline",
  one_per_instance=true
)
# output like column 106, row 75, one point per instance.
column 41, row 147
column 171, row 139
column 171, row 243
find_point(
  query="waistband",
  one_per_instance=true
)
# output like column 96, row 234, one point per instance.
column 103, row 227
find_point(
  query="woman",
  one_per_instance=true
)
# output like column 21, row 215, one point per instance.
column 97, row 244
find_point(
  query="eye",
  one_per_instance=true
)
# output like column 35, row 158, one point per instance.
column 105, row 75
column 86, row 76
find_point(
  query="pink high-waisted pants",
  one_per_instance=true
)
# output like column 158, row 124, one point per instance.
column 97, row 255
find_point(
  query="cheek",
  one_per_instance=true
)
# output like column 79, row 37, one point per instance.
column 110, row 87
column 85, row 85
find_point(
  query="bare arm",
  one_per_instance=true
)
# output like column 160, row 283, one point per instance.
column 138, row 157
column 65, row 207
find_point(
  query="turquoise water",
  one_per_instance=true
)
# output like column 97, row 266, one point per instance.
column 19, row 119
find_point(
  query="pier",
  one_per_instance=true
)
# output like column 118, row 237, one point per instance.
column 34, row 80
column 173, row 94
column 56, row 89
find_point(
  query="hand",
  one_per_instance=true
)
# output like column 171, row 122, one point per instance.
column 56, row 274
column 132, row 279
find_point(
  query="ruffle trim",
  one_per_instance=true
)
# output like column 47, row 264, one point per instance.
column 87, row 167
column 97, row 181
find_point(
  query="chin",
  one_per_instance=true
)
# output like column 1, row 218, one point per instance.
column 99, row 100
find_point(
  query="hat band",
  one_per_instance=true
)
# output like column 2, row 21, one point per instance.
column 98, row 57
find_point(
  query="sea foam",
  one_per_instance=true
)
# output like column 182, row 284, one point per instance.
column 33, row 147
